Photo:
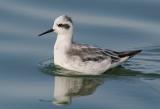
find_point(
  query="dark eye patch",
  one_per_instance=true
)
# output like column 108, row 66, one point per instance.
column 66, row 26
column 59, row 25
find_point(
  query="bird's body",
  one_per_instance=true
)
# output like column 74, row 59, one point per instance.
column 83, row 58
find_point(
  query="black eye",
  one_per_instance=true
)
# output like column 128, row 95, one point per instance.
column 60, row 25
column 66, row 26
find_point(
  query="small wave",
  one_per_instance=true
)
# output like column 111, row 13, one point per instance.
column 147, row 62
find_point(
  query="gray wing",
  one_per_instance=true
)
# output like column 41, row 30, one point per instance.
column 90, row 53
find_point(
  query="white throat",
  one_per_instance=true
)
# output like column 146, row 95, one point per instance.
column 63, row 42
column 62, row 45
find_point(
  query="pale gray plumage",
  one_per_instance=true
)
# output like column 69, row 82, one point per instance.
column 85, row 52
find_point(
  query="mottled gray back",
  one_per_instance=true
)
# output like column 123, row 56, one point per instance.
column 89, row 53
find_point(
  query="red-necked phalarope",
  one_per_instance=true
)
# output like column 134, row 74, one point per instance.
column 81, row 57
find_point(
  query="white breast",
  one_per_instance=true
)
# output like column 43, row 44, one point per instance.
column 76, row 64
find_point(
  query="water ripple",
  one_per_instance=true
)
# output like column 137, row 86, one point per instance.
column 83, row 18
column 148, row 61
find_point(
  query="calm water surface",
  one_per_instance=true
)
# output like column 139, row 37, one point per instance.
column 29, row 80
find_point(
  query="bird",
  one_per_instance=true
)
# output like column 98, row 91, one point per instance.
column 83, row 58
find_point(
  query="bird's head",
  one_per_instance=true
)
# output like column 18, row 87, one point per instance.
column 62, row 25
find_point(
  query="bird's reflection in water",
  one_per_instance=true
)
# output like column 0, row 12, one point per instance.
column 69, row 84
column 66, row 88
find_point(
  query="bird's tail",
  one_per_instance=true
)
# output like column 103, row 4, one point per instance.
column 128, row 53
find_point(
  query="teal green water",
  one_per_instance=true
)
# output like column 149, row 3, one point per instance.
column 29, row 80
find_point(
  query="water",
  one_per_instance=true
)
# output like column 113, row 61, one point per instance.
column 28, row 79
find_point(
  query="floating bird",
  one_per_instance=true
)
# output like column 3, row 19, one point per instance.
column 83, row 58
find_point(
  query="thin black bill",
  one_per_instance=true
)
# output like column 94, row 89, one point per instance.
column 48, row 31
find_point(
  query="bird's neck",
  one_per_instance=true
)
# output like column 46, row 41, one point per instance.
column 63, row 42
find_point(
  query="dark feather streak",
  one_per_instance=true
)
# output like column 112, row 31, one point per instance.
column 68, row 18
column 86, row 52
column 66, row 26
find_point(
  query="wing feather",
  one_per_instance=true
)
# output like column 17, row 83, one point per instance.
column 90, row 53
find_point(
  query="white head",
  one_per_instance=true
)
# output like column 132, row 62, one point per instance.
column 62, row 25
